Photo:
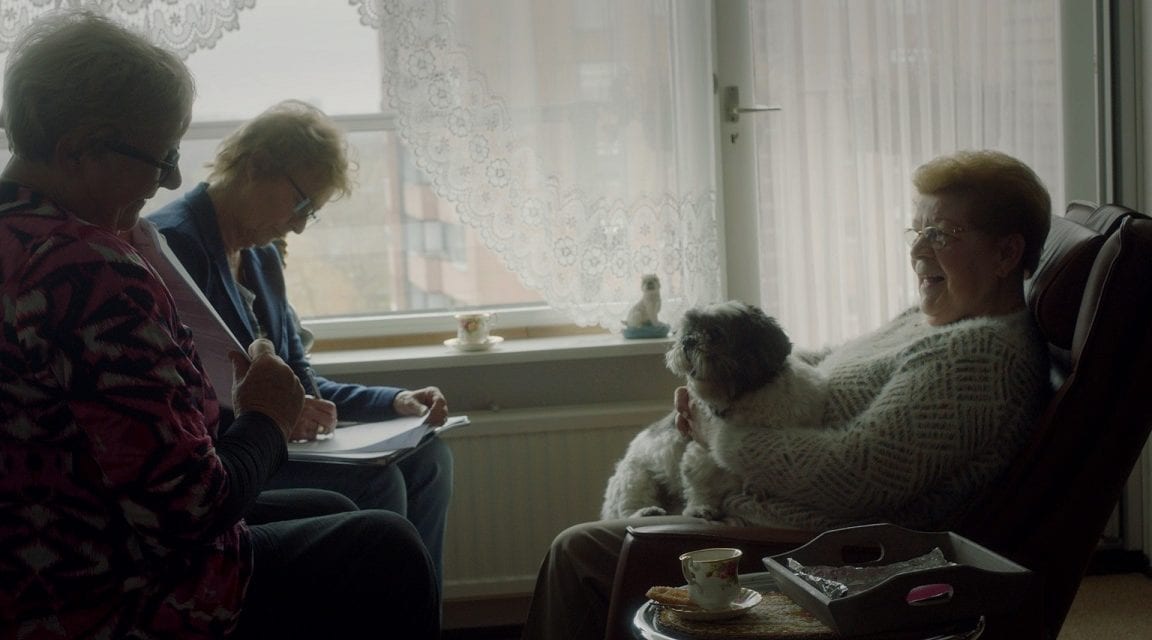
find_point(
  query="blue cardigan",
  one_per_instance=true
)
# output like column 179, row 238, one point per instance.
column 189, row 224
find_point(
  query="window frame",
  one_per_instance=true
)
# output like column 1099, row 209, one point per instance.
column 1087, row 172
column 394, row 325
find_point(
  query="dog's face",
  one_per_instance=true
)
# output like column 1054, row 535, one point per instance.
column 727, row 349
column 649, row 282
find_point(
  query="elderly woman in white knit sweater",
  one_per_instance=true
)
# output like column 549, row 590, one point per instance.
column 922, row 414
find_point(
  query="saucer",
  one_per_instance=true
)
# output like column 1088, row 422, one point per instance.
column 474, row 346
column 748, row 599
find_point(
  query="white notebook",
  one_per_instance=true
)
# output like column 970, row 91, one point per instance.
column 370, row 441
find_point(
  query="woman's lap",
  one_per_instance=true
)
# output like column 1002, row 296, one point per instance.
column 339, row 575
column 574, row 586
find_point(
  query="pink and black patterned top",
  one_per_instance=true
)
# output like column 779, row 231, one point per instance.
column 120, row 509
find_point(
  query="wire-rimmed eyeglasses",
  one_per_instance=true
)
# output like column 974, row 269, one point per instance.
column 304, row 206
column 167, row 166
column 936, row 237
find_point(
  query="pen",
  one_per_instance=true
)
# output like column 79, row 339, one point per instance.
column 313, row 389
column 310, row 385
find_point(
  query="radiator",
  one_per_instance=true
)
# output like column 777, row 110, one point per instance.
column 522, row 476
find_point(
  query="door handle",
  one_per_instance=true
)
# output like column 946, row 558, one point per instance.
column 732, row 108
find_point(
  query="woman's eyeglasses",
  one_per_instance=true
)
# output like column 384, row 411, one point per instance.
column 304, row 206
column 935, row 236
column 167, row 166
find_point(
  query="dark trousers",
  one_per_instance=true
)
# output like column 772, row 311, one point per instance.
column 274, row 505
column 418, row 487
column 358, row 574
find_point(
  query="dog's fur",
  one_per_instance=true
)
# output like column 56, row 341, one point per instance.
column 646, row 311
column 737, row 365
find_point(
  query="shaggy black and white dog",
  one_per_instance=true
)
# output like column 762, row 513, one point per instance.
column 737, row 365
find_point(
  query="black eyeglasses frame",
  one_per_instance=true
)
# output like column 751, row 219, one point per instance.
column 167, row 166
column 304, row 206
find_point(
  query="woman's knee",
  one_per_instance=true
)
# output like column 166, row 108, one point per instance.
column 588, row 542
column 323, row 502
column 432, row 464
column 380, row 487
column 388, row 544
column 276, row 505
column 387, row 535
column 440, row 454
column 382, row 523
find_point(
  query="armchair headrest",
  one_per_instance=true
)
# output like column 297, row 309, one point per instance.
column 1055, row 291
column 1105, row 218
column 1118, row 284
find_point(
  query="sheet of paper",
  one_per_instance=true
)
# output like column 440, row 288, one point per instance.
column 382, row 457
column 452, row 423
column 213, row 338
column 368, row 440
column 371, row 437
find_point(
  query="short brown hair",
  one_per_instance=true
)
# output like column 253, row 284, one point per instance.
column 1003, row 195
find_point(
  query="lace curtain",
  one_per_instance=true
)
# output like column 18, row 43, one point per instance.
column 869, row 90
column 180, row 25
column 582, row 162
column 576, row 136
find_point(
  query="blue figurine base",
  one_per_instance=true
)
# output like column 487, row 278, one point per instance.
column 658, row 330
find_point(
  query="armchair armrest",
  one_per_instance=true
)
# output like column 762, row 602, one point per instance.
column 650, row 552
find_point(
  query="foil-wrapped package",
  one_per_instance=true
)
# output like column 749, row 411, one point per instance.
column 839, row 581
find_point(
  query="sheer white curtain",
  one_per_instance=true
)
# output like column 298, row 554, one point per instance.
column 184, row 26
column 870, row 89
column 575, row 136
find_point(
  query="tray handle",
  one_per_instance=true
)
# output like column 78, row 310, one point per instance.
column 869, row 544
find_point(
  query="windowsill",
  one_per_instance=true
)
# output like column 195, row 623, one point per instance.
column 511, row 351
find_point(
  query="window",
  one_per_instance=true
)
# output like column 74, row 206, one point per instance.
column 392, row 247
column 385, row 258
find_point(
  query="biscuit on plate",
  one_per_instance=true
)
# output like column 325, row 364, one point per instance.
column 670, row 596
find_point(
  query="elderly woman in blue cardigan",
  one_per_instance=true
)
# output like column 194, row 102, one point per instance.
column 269, row 178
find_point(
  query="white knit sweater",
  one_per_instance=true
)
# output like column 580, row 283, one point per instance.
column 919, row 420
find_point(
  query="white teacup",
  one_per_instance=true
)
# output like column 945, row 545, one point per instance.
column 473, row 328
column 713, row 576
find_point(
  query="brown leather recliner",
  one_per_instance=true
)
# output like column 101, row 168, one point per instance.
column 1092, row 297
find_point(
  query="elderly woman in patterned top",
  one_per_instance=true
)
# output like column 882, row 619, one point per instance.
column 122, row 504
column 922, row 415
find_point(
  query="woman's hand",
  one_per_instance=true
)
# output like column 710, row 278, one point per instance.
column 684, row 417
column 317, row 418
column 687, row 418
column 427, row 400
column 266, row 385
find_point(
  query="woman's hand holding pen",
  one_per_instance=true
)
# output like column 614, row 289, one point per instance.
column 318, row 417
column 317, row 420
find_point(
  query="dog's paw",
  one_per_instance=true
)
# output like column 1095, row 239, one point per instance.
column 649, row 511
column 704, row 513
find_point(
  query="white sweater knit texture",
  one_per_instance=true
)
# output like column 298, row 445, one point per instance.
column 919, row 421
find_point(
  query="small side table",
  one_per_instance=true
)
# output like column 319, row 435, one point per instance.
column 645, row 626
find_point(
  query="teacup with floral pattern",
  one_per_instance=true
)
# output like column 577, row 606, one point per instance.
column 473, row 328
column 713, row 576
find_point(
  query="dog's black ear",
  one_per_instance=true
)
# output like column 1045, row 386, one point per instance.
column 770, row 345
column 764, row 352
column 775, row 343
